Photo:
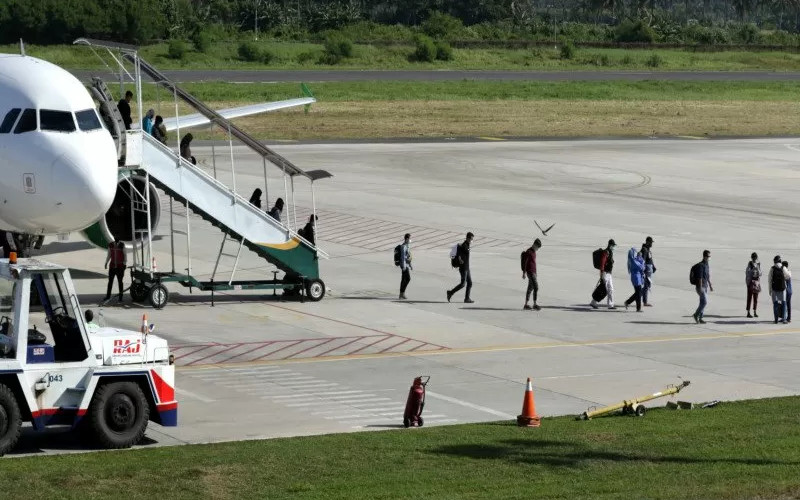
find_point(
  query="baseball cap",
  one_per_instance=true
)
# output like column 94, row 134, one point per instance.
column 612, row 243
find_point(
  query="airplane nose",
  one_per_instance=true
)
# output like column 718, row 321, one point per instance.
column 86, row 189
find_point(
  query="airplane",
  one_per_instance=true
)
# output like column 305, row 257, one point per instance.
column 58, row 159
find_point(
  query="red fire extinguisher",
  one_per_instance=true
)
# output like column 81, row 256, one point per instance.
column 415, row 402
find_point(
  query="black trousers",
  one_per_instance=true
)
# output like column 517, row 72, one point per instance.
column 115, row 272
column 637, row 297
column 466, row 279
column 533, row 286
column 405, row 280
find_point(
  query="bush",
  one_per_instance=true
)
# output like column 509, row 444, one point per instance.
column 425, row 51
column 567, row 50
column 251, row 52
column 304, row 57
column 441, row 25
column 654, row 61
column 177, row 49
column 201, row 40
column 634, row 31
column 337, row 46
column 443, row 51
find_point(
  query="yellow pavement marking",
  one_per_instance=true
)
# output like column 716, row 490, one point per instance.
column 691, row 137
column 498, row 348
column 484, row 138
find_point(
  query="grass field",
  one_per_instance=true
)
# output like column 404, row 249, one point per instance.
column 739, row 450
column 294, row 55
column 356, row 110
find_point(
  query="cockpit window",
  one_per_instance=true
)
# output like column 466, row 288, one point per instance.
column 59, row 121
column 9, row 120
column 87, row 120
column 27, row 122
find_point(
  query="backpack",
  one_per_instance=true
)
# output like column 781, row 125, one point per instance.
column 523, row 259
column 778, row 280
column 694, row 274
column 397, row 255
column 454, row 260
column 597, row 257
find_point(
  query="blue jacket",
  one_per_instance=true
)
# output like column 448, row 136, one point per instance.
column 636, row 268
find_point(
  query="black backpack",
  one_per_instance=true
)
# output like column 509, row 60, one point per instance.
column 778, row 280
column 597, row 257
column 398, row 251
column 523, row 259
column 694, row 274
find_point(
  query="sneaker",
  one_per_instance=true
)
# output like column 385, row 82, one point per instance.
column 594, row 306
column 449, row 295
column 749, row 315
column 612, row 307
column 755, row 314
column 626, row 306
column 526, row 307
column 647, row 304
column 696, row 319
column 536, row 308
column 469, row 301
column 402, row 296
column 701, row 321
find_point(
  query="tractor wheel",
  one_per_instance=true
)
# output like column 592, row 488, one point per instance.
column 139, row 291
column 10, row 420
column 158, row 296
column 315, row 290
column 118, row 415
column 640, row 411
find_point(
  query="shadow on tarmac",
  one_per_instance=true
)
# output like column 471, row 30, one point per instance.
column 60, row 439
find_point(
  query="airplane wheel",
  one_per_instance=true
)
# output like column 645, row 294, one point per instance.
column 139, row 291
column 158, row 296
column 315, row 290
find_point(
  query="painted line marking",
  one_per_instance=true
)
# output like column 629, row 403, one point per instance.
column 467, row 404
column 557, row 377
column 485, row 138
column 317, row 394
column 184, row 392
column 317, row 402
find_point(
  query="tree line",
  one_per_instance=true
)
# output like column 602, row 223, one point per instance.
column 142, row 21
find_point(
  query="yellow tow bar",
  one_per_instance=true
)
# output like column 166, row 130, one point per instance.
column 633, row 406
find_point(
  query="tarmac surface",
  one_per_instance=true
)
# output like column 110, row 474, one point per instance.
column 309, row 76
column 254, row 366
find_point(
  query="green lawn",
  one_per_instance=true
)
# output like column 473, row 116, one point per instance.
column 748, row 449
column 296, row 55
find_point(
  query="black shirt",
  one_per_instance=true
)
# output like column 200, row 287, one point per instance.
column 463, row 253
column 646, row 255
column 125, row 110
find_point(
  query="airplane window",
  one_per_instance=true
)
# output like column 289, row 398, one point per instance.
column 60, row 121
column 9, row 120
column 87, row 120
column 27, row 122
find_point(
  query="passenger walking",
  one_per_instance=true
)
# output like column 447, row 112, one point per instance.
column 461, row 261
column 255, row 198
column 777, row 289
column 700, row 277
column 118, row 259
column 604, row 262
column 405, row 265
column 159, row 131
column 528, row 262
column 276, row 210
column 309, row 230
column 186, row 148
column 147, row 121
column 636, row 268
column 124, row 107
column 649, row 270
column 752, row 279
column 788, row 291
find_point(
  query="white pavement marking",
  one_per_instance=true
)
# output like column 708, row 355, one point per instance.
column 318, row 394
column 556, row 377
column 184, row 392
column 469, row 405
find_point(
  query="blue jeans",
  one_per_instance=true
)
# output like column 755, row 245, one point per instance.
column 648, row 273
column 703, row 293
column 779, row 309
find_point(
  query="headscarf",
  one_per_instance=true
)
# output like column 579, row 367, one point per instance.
column 631, row 260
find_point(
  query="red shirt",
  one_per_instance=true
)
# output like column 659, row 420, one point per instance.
column 530, row 261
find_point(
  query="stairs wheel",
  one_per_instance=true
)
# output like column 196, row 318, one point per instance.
column 158, row 296
column 139, row 291
column 315, row 290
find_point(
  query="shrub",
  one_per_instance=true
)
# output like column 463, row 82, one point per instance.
column 654, row 61
column 443, row 51
column 176, row 49
column 201, row 40
column 266, row 56
column 567, row 50
column 339, row 46
column 249, row 51
column 634, row 31
column 304, row 57
column 441, row 25
column 425, row 51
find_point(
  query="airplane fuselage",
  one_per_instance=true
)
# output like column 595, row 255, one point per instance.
column 58, row 164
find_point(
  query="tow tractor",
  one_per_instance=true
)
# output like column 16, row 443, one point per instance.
column 56, row 369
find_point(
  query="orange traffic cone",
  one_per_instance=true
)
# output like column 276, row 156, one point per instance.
column 529, row 418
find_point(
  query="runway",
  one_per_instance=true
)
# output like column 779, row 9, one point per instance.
column 256, row 367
